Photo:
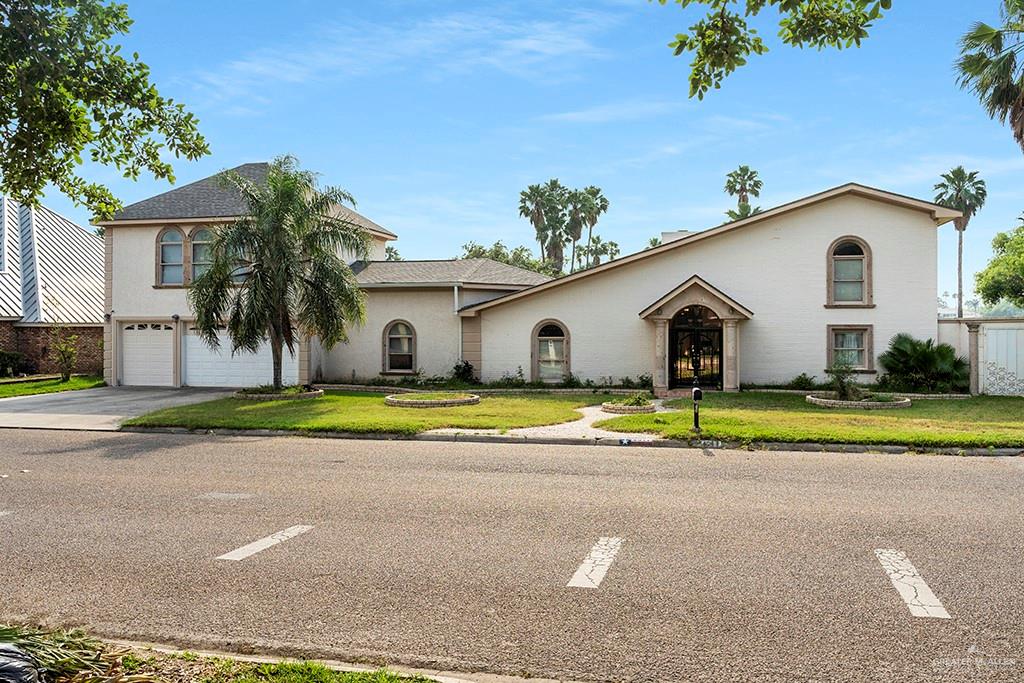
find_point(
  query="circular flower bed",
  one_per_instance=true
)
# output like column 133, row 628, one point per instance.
column 283, row 394
column 873, row 402
column 431, row 400
column 637, row 403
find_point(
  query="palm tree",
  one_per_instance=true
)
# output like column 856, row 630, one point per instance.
column 598, row 206
column 578, row 207
column 652, row 243
column 742, row 184
column 532, row 201
column 990, row 68
column 555, row 220
column 278, row 272
column 742, row 211
column 966, row 193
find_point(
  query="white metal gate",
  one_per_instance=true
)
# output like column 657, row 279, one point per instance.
column 1003, row 365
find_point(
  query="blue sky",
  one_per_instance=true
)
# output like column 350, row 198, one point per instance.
column 435, row 114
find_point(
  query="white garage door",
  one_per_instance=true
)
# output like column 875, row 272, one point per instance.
column 147, row 355
column 1004, row 361
column 206, row 367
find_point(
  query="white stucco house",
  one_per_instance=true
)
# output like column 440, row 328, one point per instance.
column 759, row 300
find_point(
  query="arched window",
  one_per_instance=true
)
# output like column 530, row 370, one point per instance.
column 399, row 347
column 171, row 257
column 550, row 352
column 849, row 273
column 202, row 257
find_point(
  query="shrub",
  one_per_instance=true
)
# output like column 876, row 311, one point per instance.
column 64, row 351
column 636, row 400
column 509, row 379
column 571, row 381
column 645, row 381
column 463, row 372
column 803, row 381
column 842, row 381
column 11, row 363
column 915, row 365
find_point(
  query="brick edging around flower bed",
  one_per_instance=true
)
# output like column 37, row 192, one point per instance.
column 858, row 405
column 393, row 400
column 316, row 393
column 621, row 409
column 896, row 394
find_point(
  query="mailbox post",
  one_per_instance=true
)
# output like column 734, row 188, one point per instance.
column 698, row 396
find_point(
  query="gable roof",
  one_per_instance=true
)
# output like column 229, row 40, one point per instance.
column 938, row 213
column 210, row 198
column 472, row 271
column 51, row 270
column 697, row 281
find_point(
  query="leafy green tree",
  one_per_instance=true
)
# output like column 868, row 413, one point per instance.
column 279, row 271
column 67, row 92
column 990, row 67
column 64, row 351
column 1002, row 280
column 391, row 254
column 652, row 243
column 532, row 202
column 966, row 193
column 597, row 207
column 520, row 256
column 722, row 40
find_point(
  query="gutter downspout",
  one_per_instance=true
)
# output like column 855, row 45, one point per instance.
column 455, row 292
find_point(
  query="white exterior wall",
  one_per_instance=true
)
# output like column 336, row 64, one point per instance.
column 134, row 276
column 776, row 268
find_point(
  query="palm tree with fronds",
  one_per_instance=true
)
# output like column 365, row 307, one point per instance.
column 989, row 66
column 966, row 193
column 532, row 202
column 599, row 205
column 742, row 211
column 579, row 206
column 743, row 183
column 278, row 273
column 555, row 221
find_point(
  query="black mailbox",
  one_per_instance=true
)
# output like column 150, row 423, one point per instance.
column 698, row 394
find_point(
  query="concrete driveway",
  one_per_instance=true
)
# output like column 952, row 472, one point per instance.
column 102, row 409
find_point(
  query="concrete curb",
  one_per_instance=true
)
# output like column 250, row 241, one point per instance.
column 625, row 441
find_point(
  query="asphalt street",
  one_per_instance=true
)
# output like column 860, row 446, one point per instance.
column 583, row 563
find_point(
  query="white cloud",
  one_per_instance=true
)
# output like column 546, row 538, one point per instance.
column 457, row 43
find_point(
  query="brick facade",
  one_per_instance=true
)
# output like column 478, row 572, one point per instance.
column 33, row 342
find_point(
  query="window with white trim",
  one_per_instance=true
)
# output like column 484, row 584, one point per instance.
column 851, row 345
column 399, row 347
column 171, row 252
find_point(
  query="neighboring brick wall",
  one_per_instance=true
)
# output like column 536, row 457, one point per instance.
column 8, row 337
column 34, row 343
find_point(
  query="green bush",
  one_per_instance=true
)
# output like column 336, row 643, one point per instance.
column 64, row 351
column 11, row 363
column 842, row 381
column 463, row 372
column 803, row 382
column 915, row 365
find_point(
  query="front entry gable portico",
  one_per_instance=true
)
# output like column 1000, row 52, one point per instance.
column 696, row 335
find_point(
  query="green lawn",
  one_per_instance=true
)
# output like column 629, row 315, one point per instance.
column 227, row 671
column 980, row 421
column 343, row 411
column 48, row 386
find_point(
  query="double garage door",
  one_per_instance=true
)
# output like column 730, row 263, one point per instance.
column 147, row 359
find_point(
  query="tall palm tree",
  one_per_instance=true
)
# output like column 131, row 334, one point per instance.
column 990, row 67
column 532, row 201
column 598, row 206
column 743, row 183
column 555, row 220
column 579, row 206
column 742, row 211
column 278, row 272
column 966, row 193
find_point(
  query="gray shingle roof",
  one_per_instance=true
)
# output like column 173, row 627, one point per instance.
column 210, row 198
column 463, row 271
column 51, row 270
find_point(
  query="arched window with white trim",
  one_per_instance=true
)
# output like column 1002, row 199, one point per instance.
column 399, row 347
column 849, row 273
column 171, row 257
column 550, row 341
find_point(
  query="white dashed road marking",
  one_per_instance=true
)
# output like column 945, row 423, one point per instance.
column 264, row 543
column 217, row 495
column 595, row 566
column 909, row 584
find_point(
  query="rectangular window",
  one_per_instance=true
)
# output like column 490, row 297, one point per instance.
column 172, row 269
column 551, row 360
column 849, row 280
column 851, row 345
column 201, row 258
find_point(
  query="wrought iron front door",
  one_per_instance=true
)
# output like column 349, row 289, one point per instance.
column 696, row 352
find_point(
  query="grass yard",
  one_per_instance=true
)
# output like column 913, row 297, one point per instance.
column 48, row 386
column 173, row 669
column 980, row 421
column 344, row 411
